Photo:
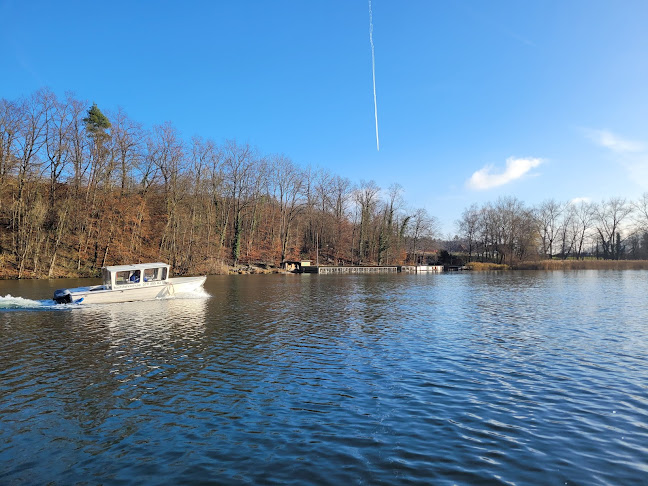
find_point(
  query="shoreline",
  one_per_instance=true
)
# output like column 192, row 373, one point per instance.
column 541, row 265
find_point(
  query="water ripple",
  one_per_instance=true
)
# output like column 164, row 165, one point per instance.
column 476, row 378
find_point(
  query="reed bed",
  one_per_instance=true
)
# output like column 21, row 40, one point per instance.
column 583, row 265
column 486, row 267
column 563, row 265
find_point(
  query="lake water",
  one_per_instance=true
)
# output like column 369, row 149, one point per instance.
column 511, row 378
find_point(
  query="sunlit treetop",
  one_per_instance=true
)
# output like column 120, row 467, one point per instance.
column 96, row 122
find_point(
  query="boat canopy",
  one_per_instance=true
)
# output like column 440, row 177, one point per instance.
column 136, row 266
column 135, row 275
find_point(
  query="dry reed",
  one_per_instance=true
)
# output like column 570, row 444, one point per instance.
column 563, row 265
column 583, row 265
column 486, row 267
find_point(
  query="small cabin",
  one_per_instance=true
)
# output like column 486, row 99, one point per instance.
column 138, row 275
column 296, row 266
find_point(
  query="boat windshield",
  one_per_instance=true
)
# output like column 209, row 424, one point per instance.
column 127, row 277
column 155, row 274
column 135, row 274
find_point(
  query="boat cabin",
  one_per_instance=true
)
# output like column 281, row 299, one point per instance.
column 133, row 276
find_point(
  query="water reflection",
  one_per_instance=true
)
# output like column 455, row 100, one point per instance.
column 157, row 319
column 130, row 348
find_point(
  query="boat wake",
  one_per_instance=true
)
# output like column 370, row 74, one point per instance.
column 10, row 302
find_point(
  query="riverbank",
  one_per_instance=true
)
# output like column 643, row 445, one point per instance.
column 564, row 265
column 8, row 272
column 264, row 269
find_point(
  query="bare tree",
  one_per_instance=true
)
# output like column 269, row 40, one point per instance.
column 388, row 239
column 582, row 219
column 10, row 121
column 366, row 198
column 510, row 210
column 548, row 220
column 242, row 184
column 79, row 143
column 10, row 125
column 30, row 138
column 128, row 139
column 58, row 127
column 566, row 231
column 203, row 156
column 469, row 227
column 27, row 216
column 59, row 151
column 423, row 225
column 509, row 230
column 641, row 211
column 167, row 151
column 287, row 181
column 609, row 216
column 320, row 231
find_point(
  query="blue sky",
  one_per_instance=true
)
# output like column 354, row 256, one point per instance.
column 476, row 99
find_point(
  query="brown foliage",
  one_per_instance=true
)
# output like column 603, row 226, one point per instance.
column 75, row 197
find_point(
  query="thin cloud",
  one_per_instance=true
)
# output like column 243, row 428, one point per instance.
column 637, row 168
column 614, row 142
column 486, row 178
column 632, row 155
column 578, row 200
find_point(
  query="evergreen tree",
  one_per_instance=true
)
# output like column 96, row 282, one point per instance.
column 96, row 122
column 619, row 249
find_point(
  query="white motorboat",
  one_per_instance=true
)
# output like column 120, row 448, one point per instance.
column 128, row 283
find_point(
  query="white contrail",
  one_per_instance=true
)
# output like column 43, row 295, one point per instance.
column 373, row 70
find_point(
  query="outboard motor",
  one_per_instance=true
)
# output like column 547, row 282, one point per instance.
column 62, row 296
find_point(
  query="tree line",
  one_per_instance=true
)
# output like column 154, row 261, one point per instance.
column 507, row 231
column 80, row 189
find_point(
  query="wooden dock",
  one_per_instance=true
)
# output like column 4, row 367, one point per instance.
column 422, row 268
column 343, row 269
column 350, row 269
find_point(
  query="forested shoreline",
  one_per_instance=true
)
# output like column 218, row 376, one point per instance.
column 80, row 189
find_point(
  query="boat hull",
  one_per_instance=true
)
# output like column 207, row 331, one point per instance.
column 168, row 288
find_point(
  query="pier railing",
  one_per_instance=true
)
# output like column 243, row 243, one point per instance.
column 380, row 269
column 350, row 269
